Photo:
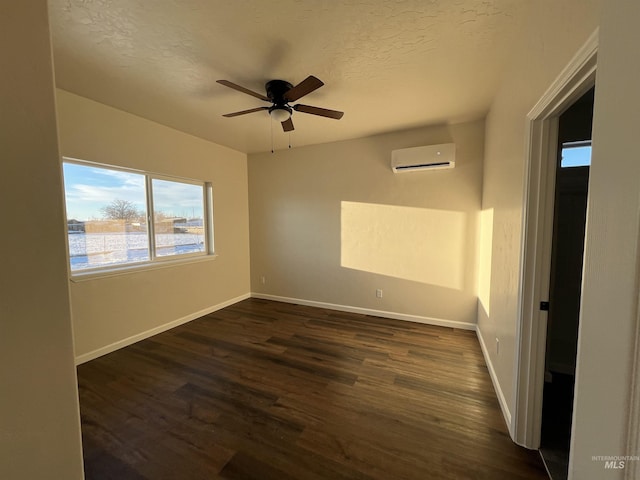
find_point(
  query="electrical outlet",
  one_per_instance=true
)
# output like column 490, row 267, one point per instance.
column 378, row 292
column 263, row 280
column 497, row 346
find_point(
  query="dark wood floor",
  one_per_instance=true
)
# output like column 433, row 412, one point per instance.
column 266, row 390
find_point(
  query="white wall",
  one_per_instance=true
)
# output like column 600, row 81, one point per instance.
column 551, row 34
column 610, row 288
column 39, row 416
column 112, row 311
column 332, row 223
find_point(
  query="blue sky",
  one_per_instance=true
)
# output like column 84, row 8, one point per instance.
column 177, row 199
column 88, row 189
column 576, row 156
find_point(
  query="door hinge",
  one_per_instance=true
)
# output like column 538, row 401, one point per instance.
column 544, row 306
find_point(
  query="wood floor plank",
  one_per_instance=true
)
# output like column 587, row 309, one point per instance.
column 266, row 390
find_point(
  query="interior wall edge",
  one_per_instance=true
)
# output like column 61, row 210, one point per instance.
column 99, row 352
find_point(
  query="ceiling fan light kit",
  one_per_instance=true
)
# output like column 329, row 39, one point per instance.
column 280, row 93
column 280, row 114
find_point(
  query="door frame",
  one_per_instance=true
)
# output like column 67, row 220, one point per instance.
column 535, row 250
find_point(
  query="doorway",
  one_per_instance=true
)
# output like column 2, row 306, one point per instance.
column 569, row 221
column 576, row 79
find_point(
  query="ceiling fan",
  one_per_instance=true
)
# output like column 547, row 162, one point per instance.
column 280, row 94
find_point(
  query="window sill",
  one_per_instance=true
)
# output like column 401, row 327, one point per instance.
column 77, row 277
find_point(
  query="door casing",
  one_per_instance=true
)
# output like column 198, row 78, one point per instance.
column 535, row 255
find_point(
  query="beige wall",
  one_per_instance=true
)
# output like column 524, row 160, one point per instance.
column 551, row 34
column 332, row 223
column 39, row 416
column 107, row 311
column 610, row 289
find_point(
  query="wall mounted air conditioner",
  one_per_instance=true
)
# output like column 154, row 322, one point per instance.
column 430, row 157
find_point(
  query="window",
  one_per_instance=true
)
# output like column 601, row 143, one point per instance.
column 576, row 154
column 118, row 217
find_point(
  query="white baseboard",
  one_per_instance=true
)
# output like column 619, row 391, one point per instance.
column 494, row 379
column 367, row 311
column 85, row 357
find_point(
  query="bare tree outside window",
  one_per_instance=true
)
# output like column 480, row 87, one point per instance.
column 121, row 210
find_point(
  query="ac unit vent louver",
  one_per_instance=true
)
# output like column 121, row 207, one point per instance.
column 430, row 157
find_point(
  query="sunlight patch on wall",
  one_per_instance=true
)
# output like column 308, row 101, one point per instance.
column 418, row 244
column 484, row 258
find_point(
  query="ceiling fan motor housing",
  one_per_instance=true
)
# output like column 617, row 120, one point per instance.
column 276, row 90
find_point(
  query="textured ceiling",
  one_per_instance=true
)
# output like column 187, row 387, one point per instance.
column 389, row 65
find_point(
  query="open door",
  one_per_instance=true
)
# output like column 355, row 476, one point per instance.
column 567, row 251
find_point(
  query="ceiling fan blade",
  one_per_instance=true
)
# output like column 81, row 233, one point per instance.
column 244, row 112
column 229, row 84
column 323, row 112
column 305, row 87
column 287, row 125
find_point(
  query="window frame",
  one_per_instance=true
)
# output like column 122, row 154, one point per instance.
column 155, row 261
